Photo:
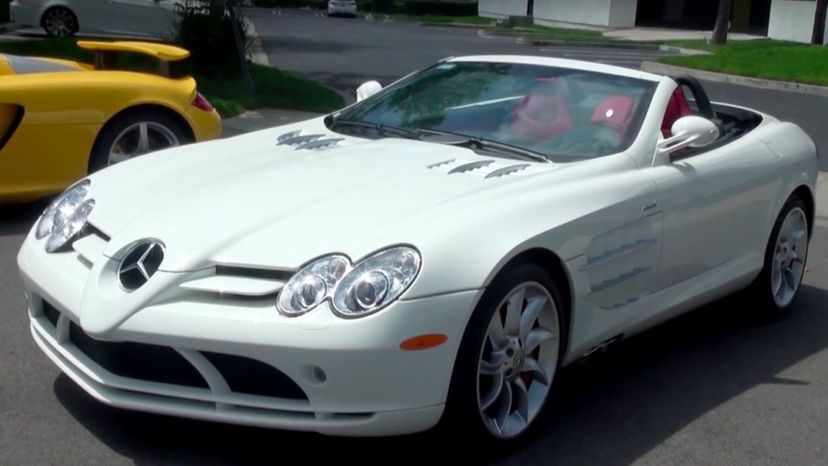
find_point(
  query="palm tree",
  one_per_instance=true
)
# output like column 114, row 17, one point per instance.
column 818, row 36
column 722, row 22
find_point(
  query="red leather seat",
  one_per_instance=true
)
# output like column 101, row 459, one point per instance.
column 541, row 116
column 677, row 107
column 615, row 112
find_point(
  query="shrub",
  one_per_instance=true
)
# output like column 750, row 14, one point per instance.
column 205, row 30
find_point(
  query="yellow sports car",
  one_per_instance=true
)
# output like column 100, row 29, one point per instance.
column 60, row 120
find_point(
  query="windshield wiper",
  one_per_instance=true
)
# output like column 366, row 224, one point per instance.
column 378, row 127
column 474, row 142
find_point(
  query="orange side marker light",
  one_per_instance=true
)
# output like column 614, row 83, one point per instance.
column 422, row 342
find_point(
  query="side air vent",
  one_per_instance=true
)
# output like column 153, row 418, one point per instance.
column 507, row 170
column 306, row 142
column 467, row 167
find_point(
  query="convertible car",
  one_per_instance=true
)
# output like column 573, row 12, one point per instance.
column 60, row 120
column 435, row 252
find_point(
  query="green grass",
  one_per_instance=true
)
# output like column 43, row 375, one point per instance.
column 274, row 88
column 766, row 59
column 536, row 31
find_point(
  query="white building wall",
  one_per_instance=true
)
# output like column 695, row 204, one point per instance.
column 503, row 8
column 622, row 13
column 590, row 13
column 792, row 20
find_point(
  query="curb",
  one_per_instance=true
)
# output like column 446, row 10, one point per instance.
column 767, row 84
column 822, row 199
column 257, row 51
column 568, row 43
column 682, row 50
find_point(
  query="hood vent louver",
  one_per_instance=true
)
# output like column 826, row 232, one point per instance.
column 306, row 142
column 507, row 170
column 440, row 164
column 467, row 167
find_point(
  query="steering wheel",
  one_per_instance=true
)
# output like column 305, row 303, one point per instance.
column 699, row 94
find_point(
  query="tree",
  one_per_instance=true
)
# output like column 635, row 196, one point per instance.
column 818, row 36
column 722, row 22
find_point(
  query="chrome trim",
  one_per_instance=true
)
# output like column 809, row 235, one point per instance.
column 626, row 276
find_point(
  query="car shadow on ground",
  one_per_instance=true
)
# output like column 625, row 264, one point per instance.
column 17, row 219
column 609, row 410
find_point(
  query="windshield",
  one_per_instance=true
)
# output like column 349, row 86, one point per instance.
column 564, row 113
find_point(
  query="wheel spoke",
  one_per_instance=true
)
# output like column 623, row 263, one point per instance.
column 536, row 337
column 497, row 335
column 143, row 139
column 505, row 406
column 530, row 315
column 521, row 395
column 776, row 280
column 489, row 368
column 514, row 306
column 494, row 393
column 531, row 365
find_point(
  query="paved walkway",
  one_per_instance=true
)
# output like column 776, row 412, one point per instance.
column 662, row 34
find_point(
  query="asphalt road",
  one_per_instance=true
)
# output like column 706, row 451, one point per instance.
column 344, row 53
column 713, row 387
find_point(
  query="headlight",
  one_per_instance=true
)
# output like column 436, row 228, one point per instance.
column 71, row 227
column 61, row 209
column 376, row 282
column 312, row 285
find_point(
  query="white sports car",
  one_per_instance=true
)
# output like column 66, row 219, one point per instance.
column 437, row 250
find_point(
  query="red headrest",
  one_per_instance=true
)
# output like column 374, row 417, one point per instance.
column 677, row 107
column 616, row 112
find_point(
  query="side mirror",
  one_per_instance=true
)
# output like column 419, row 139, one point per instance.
column 367, row 89
column 689, row 131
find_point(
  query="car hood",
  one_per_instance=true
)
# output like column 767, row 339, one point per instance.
column 250, row 201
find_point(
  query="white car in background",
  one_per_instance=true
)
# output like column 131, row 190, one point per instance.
column 61, row 18
column 438, row 250
column 342, row 7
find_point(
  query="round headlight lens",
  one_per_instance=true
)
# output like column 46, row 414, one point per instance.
column 312, row 285
column 376, row 282
column 61, row 209
column 70, row 227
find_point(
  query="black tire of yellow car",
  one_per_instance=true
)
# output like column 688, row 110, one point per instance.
column 760, row 292
column 461, row 418
column 99, row 158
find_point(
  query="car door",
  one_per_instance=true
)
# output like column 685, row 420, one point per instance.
column 150, row 18
column 715, row 205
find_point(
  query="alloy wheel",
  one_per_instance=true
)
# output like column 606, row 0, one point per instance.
column 789, row 256
column 518, row 360
column 141, row 138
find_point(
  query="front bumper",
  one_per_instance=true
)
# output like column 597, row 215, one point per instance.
column 25, row 14
column 342, row 8
column 370, row 386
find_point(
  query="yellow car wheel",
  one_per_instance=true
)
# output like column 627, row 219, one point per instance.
column 137, row 133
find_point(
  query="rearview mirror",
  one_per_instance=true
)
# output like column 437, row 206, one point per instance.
column 367, row 89
column 689, row 131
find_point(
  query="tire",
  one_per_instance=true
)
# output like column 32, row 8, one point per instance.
column 787, row 253
column 470, row 407
column 59, row 22
column 121, row 138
